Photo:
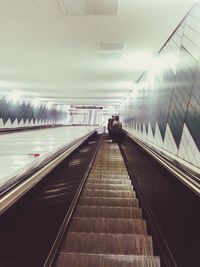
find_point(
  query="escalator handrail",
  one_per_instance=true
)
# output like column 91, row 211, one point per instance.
column 184, row 174
column 23, row 182
column 58, row 241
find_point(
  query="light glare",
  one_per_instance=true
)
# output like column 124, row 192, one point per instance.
column 35, row 102
column 14, row 96
column 49, row 104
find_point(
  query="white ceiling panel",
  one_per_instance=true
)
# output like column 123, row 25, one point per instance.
column 112, row 46
column 110, row 55
column 92, row 57
column 89, row 7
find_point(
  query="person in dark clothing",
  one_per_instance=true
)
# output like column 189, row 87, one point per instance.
column 109, row 127
column 116, row 130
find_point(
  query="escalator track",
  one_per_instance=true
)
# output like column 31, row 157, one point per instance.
column 107, row 228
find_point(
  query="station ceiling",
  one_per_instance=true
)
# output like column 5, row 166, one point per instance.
column 82, row 51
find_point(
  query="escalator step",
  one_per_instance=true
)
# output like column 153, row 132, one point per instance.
column 109, row 176
column 108, row 181
column 107, row 160
column 100, row 260
column 107, row 225
column 109, row 168
column 108, row 172
column 125, row 244
column 118, row 162
column 116, row 167
column 108, row 212
column 108, row 201
column 108, row 193
column 108, row 186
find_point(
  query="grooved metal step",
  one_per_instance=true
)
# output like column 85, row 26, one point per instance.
column 101, row 260
column 108, row 193
column 108, row 201
column 108, row 181
column 115, row 167
column 109, row 173
column 109, row 169
column 104, row 243
column 108, row 212
column 109, row 176
column 108, row 225
column 97, row 186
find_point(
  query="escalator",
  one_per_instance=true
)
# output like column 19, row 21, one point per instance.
column 86, row 213
column 107, row 228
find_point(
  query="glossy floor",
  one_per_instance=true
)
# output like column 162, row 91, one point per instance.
column 21, row 150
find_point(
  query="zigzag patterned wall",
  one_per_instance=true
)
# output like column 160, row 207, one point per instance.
column 166, row 112
column 23, row 113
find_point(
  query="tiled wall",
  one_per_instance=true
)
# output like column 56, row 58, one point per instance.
column 23, row 112
column 164, row 110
